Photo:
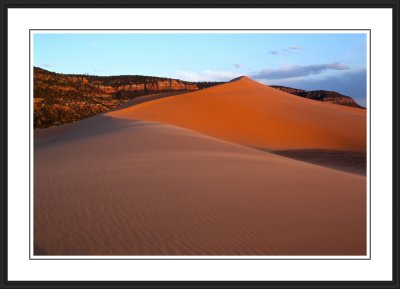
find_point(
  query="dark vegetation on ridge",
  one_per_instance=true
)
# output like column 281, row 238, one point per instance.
column 62, row 98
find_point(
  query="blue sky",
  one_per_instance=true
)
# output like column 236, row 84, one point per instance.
column 306, row 61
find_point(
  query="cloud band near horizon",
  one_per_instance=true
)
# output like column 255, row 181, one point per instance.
column 297, row 71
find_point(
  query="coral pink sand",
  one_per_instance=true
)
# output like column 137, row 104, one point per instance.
column 108, row 186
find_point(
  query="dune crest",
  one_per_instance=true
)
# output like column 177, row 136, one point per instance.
column 250, row 113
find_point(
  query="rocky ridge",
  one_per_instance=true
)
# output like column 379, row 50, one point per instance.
column 62, row 98
column 321, row 95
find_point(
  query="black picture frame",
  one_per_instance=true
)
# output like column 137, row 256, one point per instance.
column 5, row 5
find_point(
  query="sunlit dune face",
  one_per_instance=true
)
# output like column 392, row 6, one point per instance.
column 249, row 113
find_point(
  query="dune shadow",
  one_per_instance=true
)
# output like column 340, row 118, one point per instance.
column 349, row 161
column 90, row 127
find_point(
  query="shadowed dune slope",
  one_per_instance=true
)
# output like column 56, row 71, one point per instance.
column 106, row 186
column 250, row 113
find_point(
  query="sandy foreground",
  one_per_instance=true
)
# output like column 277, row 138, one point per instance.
column 117, row 186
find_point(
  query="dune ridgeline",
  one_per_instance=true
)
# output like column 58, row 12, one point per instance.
column 199, row 174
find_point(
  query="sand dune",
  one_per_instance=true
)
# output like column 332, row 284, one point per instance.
column 247, row 112
column 108, row 186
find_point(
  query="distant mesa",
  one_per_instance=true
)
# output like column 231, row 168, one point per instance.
column 321, row 95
